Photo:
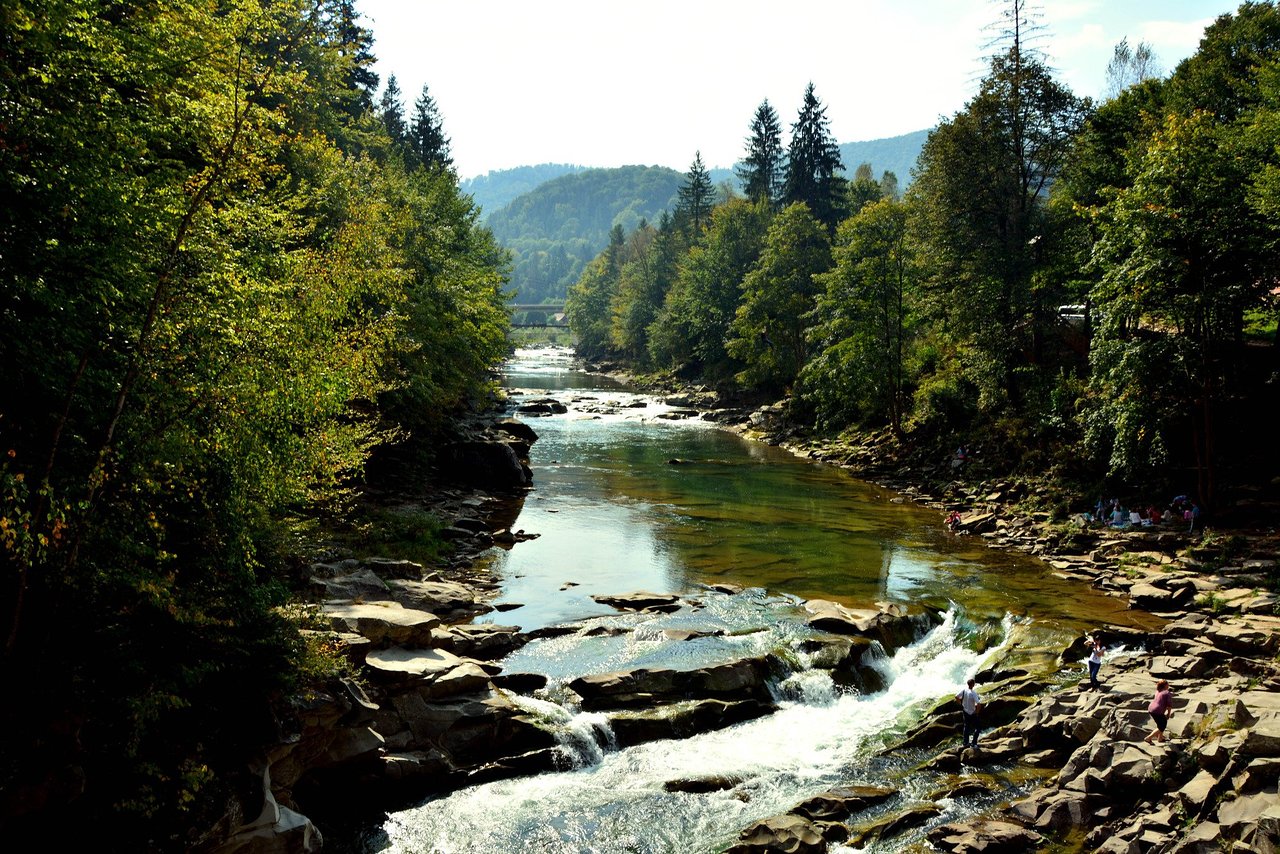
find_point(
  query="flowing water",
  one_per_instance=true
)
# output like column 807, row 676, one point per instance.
column 626, row 499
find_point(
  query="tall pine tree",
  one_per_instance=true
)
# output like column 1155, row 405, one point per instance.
column 813, row 161
column 761, row 171
column 426, row 134
column 695, row 198
column 391, row 111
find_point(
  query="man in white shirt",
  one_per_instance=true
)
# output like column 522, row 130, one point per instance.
column 970, row 705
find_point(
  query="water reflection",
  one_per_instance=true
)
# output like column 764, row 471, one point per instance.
column 626, row 500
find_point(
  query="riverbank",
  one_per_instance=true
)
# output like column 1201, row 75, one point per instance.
column 1211, row 786
column 433, row 711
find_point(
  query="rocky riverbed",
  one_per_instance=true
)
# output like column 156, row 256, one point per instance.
column 433, row 711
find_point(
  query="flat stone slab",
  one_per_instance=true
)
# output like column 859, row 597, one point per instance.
column 384, row 623
column 427, row 663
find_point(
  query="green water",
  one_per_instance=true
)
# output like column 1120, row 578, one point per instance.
column 614, row 514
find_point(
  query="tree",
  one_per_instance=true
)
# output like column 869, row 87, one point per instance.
column 695, row 199
column 769, row 330
column 1182, row 259
column 864, row 188
column 865, row 316
column 813, row 161
column 591, row 297
column 653, row 257
column 980, row 201
column 391, row 111
column 761, row 172
column 1130, row 66
column 693, row 325
column 426, row 134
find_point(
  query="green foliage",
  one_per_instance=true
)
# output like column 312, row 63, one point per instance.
column 555, row 230
column 865, row 320
column 769, row 333
column 219, row 297
column 693, row 325
column 813, row 163
column 761, row 172
column 695, row 199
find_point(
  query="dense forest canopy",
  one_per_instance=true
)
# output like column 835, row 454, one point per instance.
column 1089, row 289
column 230, row 274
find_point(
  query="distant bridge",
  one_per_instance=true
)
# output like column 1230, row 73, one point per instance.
column 552, row 314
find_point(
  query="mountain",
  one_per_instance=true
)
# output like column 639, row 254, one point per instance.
column 896, row 154
column 555, row 217
column 499, row 188
column 555, row 229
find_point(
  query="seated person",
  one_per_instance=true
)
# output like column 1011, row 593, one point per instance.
column 1135, row 518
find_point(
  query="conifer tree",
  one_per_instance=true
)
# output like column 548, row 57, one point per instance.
column 426, row 134
column 695, row 198
column 761, row 172
column 813, row 161
column 391, row 111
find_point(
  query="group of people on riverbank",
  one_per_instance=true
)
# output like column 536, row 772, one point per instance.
column 1113, row 514
column 1159, row 708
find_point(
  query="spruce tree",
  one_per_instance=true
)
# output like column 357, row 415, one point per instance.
column 391, row 111
column 695, row 198
column 761, row 170
column 426, row 134
column 813, row 161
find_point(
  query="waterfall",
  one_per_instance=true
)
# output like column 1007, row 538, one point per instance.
column 616, row 800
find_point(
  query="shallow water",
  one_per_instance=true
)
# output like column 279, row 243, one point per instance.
column 614, row 515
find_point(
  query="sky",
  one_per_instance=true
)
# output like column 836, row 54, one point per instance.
column 654, row 82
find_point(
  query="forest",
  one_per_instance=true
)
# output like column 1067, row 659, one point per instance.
column 1083, row 290
column 238, row 275
column 233, row 274
column 556, row 228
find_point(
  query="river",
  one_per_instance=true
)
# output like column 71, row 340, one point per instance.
column 625, row 499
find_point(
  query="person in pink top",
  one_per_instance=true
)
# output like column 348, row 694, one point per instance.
column 1159, row 708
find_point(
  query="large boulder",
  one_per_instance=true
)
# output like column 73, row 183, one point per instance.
column 743, row 679
column 988, row 837
column 791, row 834
column 493, row 465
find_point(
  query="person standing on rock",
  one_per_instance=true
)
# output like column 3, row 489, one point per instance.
column 1096, row 649
column 1159, row 708
column 971, row 705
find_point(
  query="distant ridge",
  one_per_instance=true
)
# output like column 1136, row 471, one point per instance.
column 896, row 154
column 498, row 188
column 556, row 217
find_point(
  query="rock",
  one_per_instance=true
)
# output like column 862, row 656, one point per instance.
column 276, row 829
column 493, row 465
column 701, row 785
column 681, row 720
column 442, row 598
column 640, row 601
column 1262, row 739
column 1235, row 814
column 486, row 641
column 839, row 804
column 735, row 680
column 894, row 825
column 361, row 583
column 401, row 663
column 518, row 429
column 785, row 833
column 383, row 623
column 989, row 837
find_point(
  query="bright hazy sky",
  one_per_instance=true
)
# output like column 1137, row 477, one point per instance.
column 651, row 82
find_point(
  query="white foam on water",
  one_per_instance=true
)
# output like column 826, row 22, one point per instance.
column 617, row 802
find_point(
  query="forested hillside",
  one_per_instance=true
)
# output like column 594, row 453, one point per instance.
column 1080, row 288
column 896, row 154
column 495, row 190
column 554, row 226
column 230, row 276
column 553, row 231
